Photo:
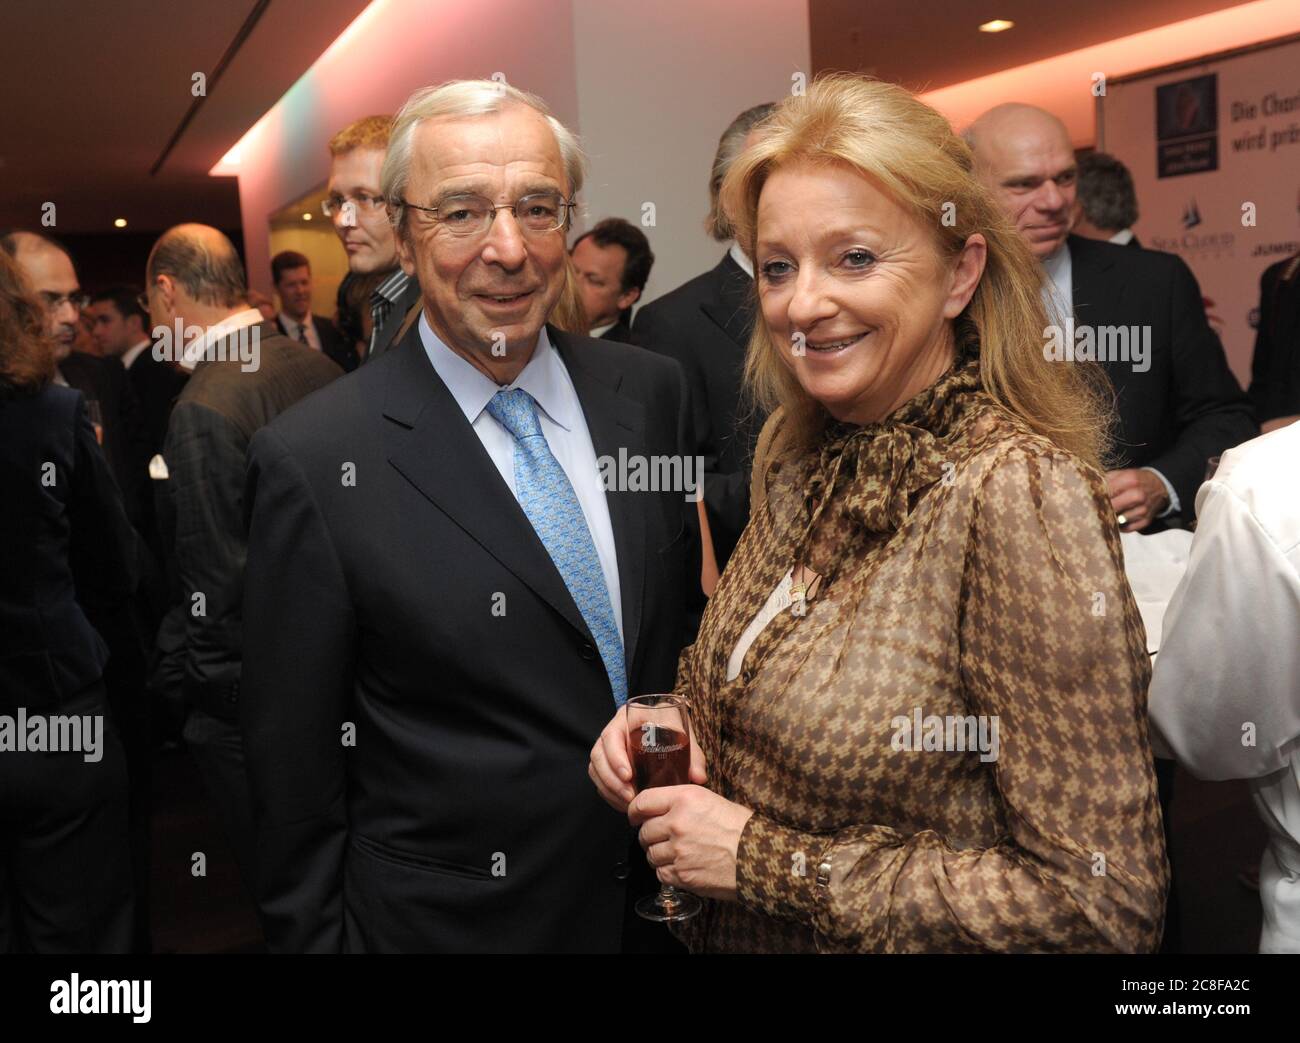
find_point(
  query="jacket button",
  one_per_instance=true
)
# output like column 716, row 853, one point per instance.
column 620, row 871
column 588, row 652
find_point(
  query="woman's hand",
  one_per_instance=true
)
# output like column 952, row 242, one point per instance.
column 611, row 770
column 690, row 835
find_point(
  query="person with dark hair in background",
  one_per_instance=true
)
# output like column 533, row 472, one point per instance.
column 65, row 866
column 705, row 325
column 1107, row 206
column 1275, row 366
column 612, row 263
column 121, row 328
column 194, row 276
column 291, row 272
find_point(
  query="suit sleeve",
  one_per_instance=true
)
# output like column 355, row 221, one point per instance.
column 1081, row 867
column 1211, row 413
column 205, row 459
column 1223, row 697
column 299, row 627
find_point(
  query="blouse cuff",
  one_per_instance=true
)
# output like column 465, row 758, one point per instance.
column 777, row 869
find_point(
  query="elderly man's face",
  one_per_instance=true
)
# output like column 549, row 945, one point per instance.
column 1028, row 164
column 486, row 296
column 854, row 290
column 52, row 276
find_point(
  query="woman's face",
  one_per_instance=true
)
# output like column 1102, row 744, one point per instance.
column 854, row 291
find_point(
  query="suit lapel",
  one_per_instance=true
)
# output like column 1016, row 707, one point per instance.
column 436, row 450
column 616, row 421
column 733, row 306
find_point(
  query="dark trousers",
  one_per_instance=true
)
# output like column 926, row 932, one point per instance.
column 1173, row 936
column 65, row 864
column 218, row 751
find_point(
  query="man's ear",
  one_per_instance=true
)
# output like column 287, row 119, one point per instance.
column 628, row 298
column 966, row 273
column 405, row 256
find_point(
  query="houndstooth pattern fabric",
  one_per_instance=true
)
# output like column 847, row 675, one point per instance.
column 970, row 567
column 547, row 498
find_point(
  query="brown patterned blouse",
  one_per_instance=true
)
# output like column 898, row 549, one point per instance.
column 970, row 570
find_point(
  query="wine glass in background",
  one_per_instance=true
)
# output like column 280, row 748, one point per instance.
column 1211, row 465
column 659, row 747
column 96, row 419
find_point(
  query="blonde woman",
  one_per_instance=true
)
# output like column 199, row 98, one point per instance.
column 920, row 687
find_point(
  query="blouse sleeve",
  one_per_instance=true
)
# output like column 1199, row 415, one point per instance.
column 1051, row 645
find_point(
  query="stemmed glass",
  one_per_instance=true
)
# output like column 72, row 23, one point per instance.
column 659, row 747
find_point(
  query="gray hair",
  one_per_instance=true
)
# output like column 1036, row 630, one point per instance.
column 465, row 99
column 730, row 146
column 1106, row 193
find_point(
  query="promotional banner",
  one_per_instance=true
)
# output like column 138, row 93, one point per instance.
column 1214, row 148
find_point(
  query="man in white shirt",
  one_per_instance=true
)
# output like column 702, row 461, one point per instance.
column 1225, row 695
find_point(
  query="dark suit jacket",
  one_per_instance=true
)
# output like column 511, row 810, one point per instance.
column 1275, row 366
column 396, row 316
column 333, row 344
column 461, row 818
column 156, row 385
column 621, row 331
column 126, row 433
column 216, row 415
column 64, row 538
column 705, row 324
column 1188, row 406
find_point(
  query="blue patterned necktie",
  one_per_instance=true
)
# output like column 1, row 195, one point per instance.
column 547, row 498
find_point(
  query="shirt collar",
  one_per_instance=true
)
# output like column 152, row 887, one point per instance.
column 741, row 258
column 1122, row 238
column 290, row 323
column 132, row 353
column 195, row 353
column 544, row 378
column 391, row 289
column 600, row 331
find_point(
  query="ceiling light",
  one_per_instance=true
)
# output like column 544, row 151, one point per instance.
column 120, row 223
column 307, row 216
column 998, row 25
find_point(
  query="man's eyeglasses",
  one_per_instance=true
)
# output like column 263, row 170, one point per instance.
column 55, row 301
column 537, row 214
column 335, row 204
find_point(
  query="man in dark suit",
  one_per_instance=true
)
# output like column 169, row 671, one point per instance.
column 705, row 325
column 359, row 214
column 1275, row 366
column 1177, row 401
column 612, row 263
column 291, row 272
column 241, row 378
column 1106, row 203
column 121, row 331
column 446, row 603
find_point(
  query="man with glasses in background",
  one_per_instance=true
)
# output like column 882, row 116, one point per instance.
column 445, row 604
column 355, row 206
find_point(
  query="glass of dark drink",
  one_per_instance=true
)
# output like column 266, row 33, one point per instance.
column 659, row 747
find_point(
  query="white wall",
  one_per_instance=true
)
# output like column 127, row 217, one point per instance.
column 657, row 83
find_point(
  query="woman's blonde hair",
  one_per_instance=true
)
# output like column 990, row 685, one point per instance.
column 909, row 150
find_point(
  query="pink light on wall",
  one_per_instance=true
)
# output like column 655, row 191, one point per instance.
column 1064, row 84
